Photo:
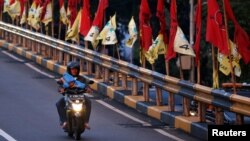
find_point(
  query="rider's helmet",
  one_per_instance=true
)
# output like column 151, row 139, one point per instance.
column 73, row 64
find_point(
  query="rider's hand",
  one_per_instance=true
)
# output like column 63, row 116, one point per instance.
column 61, row 90
column 89, row 90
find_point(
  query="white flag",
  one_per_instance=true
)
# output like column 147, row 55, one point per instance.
column 181, row 44
column 132, row 30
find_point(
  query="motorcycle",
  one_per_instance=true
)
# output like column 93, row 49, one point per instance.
column 75, row 110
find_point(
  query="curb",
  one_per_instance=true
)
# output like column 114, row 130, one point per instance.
column 187, row 124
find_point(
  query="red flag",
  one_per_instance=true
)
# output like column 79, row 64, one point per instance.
column 216, row 32
column 145, row 29
column 85, row 18
column 12, row 1
column 22, row 5
column 241, row 38
column 146, row 37
column 38, row 2
column 1, row 4
column 173, row 28
column 72, row 5
column 161, row 15
column 198, row 30
column 44, row 8
column 61, row 3
column 98, row 20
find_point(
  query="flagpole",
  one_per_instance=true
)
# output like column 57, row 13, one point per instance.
column 191, row 37
column 181, row 73
column 60, row 28
column 215, row 69
column 60, row 23
column 167, row 66
column 52, row 16
column 229, row 47
column 116, row 45
column 239, row 117
column 1, row 13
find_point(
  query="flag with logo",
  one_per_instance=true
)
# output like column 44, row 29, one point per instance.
column 63, row 13
column 173, row 29
column 1, row 4
column 23, row 16
column 162, row 18
column 97, row 23
column 98, row 20
column 92, row 35
column 241, row 37
column 181, row 44
column 85, row 23
column 35, row 22
column 14, row 9
column 132, row 30
column 47, row 12
column 145, row 29
column 72, row 11
column 110, row 24
column 158, row 47
column 216, row 33
column 7, row 4
column 224, row 61
column 32, row 11
column 198, row 30
column 108, row 35
column 73, row 32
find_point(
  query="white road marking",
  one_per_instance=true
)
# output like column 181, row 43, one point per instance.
column 138, row 120
column 37, row 70
column 168, row 135
column 6, row 136
column 89, row 95
column 12, row 56
column 29, row 65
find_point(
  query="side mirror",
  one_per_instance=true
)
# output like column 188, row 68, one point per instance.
column 91, row 82
column 59, row 82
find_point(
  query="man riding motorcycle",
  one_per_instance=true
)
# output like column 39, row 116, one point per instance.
column 73, row 70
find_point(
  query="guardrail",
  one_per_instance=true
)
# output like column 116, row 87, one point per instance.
column 63, row 52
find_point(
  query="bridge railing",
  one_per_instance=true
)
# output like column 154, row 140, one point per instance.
column 104, row 67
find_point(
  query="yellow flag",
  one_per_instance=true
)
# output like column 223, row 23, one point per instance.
column 73, row 32
column 63, row 15
column 24, row 17
column 158, row 47
column 181, row 44
column 110, row 24
column 225, row 61
column 6, row 6
column 35, row 22
column 92, row 35
column 14, row 9
column 48, row 15
column 110, row 38
column 132, row 30
column 31, row 13
column 161, row 46
column 224, row 64
column 68, row 14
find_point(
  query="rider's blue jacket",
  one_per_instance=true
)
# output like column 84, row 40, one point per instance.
column 69, row 78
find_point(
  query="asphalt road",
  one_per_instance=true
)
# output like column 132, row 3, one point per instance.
column 28, row 112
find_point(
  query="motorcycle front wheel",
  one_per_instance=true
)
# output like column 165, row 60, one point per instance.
column 78, row 129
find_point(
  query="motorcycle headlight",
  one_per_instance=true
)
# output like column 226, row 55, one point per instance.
column 77, row 107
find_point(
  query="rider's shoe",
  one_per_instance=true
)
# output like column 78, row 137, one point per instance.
column 64, row 125
column 86, row 125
